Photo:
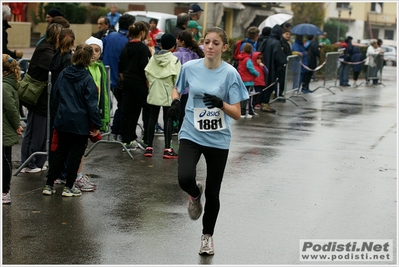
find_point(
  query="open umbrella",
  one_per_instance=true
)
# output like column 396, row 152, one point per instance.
column 272, row 20
column 306, row 29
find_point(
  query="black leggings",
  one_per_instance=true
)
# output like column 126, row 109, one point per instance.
column 167, row 122
column 189, row 155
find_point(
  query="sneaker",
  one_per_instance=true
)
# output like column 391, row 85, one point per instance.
column 148, row 152
column 257, row 106
column 60, row 181
column 44, row 168
column 48, row 190
column 242, row 116
column 131, row 146
column 29, row 170
column 6, row 198
column 169, row 153
column 206, row 245
column 248, row 116
column 254, row 114
column 142, row 145
column 194, row 204
column 84, row 186
column 267, row 108
column 71, row 192
column 87, row 179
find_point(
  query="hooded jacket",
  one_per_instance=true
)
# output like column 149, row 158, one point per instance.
column 162, row 72
column 246, row 69
column 11, row 117
column 273, row 55
column 78, row 98
column 263, row 71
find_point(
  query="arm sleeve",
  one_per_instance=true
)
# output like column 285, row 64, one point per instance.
column 10, row 109
column 251, row 69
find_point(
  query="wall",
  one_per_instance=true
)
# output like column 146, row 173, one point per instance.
column 19, row 35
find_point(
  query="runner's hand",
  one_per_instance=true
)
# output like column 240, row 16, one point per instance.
column 174, row 110
column 212, row 101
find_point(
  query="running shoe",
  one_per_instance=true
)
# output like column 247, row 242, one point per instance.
column 194, row 204
column 206, row 245
column 48, row 190
column 71, row 192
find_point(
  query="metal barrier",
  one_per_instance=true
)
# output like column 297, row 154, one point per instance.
column 330, row 71
column 374, row 70
column 291, row 79
column 46, row 153
column 108, row 134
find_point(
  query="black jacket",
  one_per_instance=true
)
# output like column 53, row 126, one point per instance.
column 313, row 53
column 78, row 96
column 39, row 69
column 273, row 55
column 132, row 61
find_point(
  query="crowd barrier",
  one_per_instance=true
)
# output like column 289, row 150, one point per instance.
column 374, row 71
column 330, row 72
column 291, row 80
column 107, row 136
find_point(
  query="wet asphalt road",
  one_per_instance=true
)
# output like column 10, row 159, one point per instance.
column 326, row 169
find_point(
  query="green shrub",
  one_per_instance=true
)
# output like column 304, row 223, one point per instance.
column 94, row 12
column 73, row 12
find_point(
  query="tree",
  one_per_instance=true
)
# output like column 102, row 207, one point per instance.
column 312, row 13
column 331, row 27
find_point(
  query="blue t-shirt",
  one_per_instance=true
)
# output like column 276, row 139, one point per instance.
column 224, row 82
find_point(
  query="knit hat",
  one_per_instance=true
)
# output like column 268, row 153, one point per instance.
column 94, row 40
column 53, row 12
column 168, row 41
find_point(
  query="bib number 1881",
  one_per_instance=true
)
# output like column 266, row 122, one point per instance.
column 207, row 124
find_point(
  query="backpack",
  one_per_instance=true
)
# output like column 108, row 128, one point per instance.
column 236, row 52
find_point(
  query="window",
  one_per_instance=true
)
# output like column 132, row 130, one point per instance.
column 388, row 34
column 377, row 7
column 343, row 5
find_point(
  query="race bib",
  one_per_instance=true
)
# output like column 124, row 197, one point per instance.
column 209, row 119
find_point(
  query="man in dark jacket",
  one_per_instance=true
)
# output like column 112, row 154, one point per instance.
column 274, row 60
column 181, row 23
column 104, row 27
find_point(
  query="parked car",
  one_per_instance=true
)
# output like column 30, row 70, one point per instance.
column 389, row 55
column 166, row 22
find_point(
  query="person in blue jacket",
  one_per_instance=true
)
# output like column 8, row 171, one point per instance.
column 77, row 118
column 300, row 50
column 113, row 44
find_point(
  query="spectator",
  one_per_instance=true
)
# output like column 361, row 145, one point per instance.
column 162, row 71
column 113, row 44
column 373, row 51
column 223, row 93
column 380, row 59
column 36, row 128
column 135, row 88
column 6, row 18
column 158, row 45
column 187, row 50
column 248, row 74
column 313, row 53
column 57, row 19
column 60, row 60
column 104, row 29
column 345, row 67
column 154, row 30
column 323, row 40
column 263, row 36
column 286, row 46
column 299, row 49
column 11, row 120
column 113, row 15
column 195, row 12
column 260, row 81
column 77, row 112
column 252, row 36
column 195, row 29
column 357, row 68
column 181, row 23
column 53, row 12
column 274, row 60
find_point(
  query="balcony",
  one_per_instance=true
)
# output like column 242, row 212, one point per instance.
column 382, row 19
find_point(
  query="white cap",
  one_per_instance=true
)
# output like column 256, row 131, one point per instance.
column 94, row 40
